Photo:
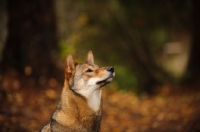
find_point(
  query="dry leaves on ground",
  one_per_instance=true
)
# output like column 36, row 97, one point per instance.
column 29, row 109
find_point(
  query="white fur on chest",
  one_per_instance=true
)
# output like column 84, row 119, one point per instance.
column 93, row 98
column 92, row 93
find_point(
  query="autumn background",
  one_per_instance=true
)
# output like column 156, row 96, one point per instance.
column 153, row 45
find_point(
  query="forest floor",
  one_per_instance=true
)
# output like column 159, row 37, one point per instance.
column 28, row 109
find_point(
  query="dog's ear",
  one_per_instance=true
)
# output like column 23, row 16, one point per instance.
column 69, row 66
column 69, row 63
column 89, row 57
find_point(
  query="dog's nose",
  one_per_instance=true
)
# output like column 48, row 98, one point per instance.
column 110, row 69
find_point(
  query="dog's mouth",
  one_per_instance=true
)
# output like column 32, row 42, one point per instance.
column 107, row 80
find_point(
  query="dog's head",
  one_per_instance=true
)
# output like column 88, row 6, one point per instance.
column 86, row 77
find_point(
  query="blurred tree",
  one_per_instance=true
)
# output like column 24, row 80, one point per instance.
column 31, row 47
column 193, row 73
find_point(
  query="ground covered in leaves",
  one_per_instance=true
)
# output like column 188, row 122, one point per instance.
column 28, row 109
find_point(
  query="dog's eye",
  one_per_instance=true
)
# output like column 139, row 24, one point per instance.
column 89, row 70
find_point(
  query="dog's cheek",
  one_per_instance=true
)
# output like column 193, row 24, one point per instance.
column 81, row 82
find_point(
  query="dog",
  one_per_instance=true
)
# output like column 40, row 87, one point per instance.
column 80, row 105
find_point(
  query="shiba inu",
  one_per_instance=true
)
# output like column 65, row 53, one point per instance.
column 80, row 106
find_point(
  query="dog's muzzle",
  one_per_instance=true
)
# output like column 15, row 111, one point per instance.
column 108, row 79
column 110, row 69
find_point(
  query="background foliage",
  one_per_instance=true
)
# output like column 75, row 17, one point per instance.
column 131, row 35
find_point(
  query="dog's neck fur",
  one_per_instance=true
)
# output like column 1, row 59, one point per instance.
column 93, row 99
column 93, row 96
column 75, row 107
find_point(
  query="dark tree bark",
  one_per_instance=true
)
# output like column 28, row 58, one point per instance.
column 31, row 46
column 193, row 72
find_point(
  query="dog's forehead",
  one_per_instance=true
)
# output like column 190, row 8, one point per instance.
column 87, row 65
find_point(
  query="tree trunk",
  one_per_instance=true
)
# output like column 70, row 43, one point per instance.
column 193, row 73
column 31, row 46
